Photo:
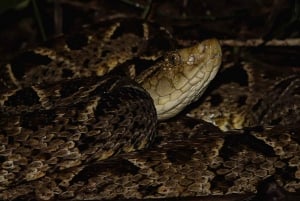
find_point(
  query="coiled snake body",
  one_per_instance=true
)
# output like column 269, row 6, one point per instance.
column 73, row 124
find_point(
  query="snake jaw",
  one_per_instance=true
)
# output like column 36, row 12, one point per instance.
column 182, row 77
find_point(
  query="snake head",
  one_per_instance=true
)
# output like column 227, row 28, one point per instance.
column 182, row 77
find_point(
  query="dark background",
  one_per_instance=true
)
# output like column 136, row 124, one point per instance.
column 25, row 23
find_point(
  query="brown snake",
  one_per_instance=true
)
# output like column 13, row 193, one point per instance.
column 68, row 134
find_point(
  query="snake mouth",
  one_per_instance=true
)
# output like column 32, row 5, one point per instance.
column 182, row 77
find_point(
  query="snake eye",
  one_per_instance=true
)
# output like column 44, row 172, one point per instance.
column 174, row 58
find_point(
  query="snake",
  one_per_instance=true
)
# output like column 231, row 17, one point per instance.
column 97, row 115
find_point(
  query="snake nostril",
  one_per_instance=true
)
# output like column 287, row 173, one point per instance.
column 201, row 48
column 191, row 60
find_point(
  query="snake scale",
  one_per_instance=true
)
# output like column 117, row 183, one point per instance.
column 79, row 121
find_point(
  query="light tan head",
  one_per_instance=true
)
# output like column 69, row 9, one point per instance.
column 182, row 76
